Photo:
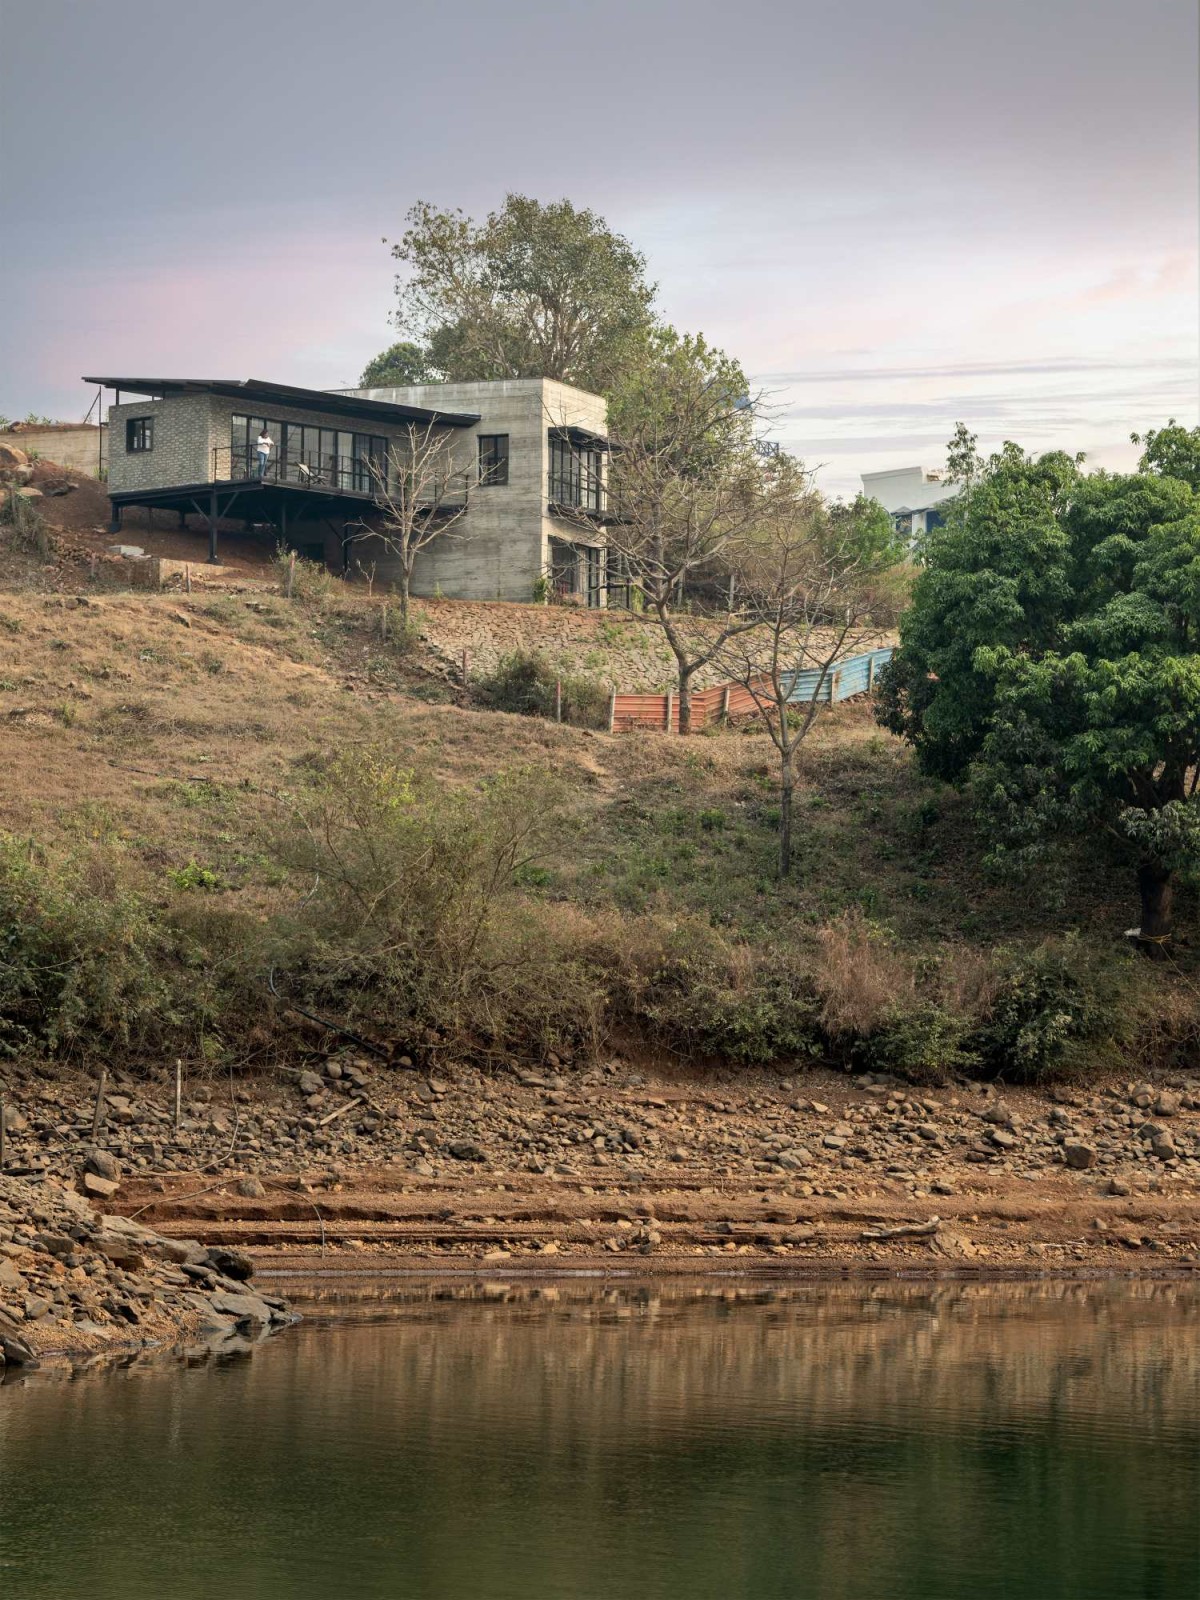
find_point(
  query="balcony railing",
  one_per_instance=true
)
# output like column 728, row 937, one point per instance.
column 359, row 475
column 578, row 490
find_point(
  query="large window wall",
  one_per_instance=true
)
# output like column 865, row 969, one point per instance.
column 576, row 475
column 308, row 454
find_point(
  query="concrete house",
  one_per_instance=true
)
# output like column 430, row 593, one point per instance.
column 523, row 499
column 912, row 495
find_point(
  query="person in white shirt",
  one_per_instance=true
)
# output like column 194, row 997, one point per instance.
column 265, row 445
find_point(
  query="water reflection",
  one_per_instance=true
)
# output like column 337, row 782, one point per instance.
column 654, row 1440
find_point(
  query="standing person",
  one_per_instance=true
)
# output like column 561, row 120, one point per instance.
column 265, row 446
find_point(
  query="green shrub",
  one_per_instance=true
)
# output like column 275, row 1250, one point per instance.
column 687, row 987
column 26, row 528
column 91, row 962
column 1058, row 1009
column 524, row 683
column 417, row 920
column 312, row 582
column 924, row 1043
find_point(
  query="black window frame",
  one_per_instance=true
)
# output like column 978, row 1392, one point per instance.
column 139, row 435
column 576, row 475
column 493, row 460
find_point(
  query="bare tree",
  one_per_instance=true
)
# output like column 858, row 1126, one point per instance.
column 685, row 484
column 816, row 583
column 421, row 494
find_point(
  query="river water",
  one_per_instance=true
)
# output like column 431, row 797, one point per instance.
column 583, row 1442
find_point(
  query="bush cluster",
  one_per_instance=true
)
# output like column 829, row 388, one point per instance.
column 429, row 919
column 526, row 683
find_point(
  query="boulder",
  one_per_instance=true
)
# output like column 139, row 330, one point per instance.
column 1079, row 1156
column 243, row 1308
column 15, row 466
column 100, row 1188
column 11, row 1281
column 103, row 1165
column 229, row 1263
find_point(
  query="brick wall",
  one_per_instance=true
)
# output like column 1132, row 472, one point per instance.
column 182, row 449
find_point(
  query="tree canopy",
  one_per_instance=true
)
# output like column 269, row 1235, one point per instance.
column 1050, row 659
column 400, row 364
column 534, row 290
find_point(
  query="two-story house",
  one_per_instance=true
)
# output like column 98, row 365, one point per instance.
column 526, row 486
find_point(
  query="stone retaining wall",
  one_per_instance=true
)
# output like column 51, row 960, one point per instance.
column 611, row 647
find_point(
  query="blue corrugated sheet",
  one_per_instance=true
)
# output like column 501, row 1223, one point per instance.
column 855, row 675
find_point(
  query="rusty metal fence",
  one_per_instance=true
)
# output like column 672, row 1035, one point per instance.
column 847, row 679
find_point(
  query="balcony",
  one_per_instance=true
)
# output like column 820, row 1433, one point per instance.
column 360, row 475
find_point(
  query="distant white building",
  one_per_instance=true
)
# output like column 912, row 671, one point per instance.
column 911, row 495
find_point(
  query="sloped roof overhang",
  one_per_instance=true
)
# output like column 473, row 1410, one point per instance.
column 256, row 395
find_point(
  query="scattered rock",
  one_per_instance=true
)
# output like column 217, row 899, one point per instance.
column 103, row 1165
column 230, row 1263
column 100, row 1188
column 1080, row 1156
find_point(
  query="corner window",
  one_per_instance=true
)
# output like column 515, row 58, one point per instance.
column 139, row 434
column 493, row 458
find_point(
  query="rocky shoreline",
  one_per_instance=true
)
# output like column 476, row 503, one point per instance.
column 352, row 1164
column 74, row 1283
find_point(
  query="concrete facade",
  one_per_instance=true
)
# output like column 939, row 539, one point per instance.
column 78, row 446
column 910, row 494
column 504, row 547
column 501, row 548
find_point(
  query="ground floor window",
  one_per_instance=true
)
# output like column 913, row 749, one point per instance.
column 576, row 572
column 619, row 584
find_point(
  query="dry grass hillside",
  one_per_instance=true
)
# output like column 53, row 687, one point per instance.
column 158, row 746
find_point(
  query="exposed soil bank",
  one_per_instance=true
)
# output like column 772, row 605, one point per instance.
column 383, row 1170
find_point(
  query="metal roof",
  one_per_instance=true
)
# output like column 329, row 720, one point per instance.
column 257, row 394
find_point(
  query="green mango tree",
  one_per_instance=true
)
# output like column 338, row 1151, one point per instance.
column 1051, row 658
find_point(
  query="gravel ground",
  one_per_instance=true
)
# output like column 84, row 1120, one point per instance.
column 818, row 1170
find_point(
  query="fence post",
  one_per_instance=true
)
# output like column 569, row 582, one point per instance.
column 871, row 673
column 558, row 699
column 670, row 698
column 98, row 1114
column 291, row 577
column 725, row 703
column 464, row 664
column 612, row 712
column 835, row 684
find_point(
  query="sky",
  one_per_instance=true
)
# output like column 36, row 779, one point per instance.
column 897, row 213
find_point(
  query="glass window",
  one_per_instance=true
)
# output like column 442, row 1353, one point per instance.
column 139, row 434
column 493, row 459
